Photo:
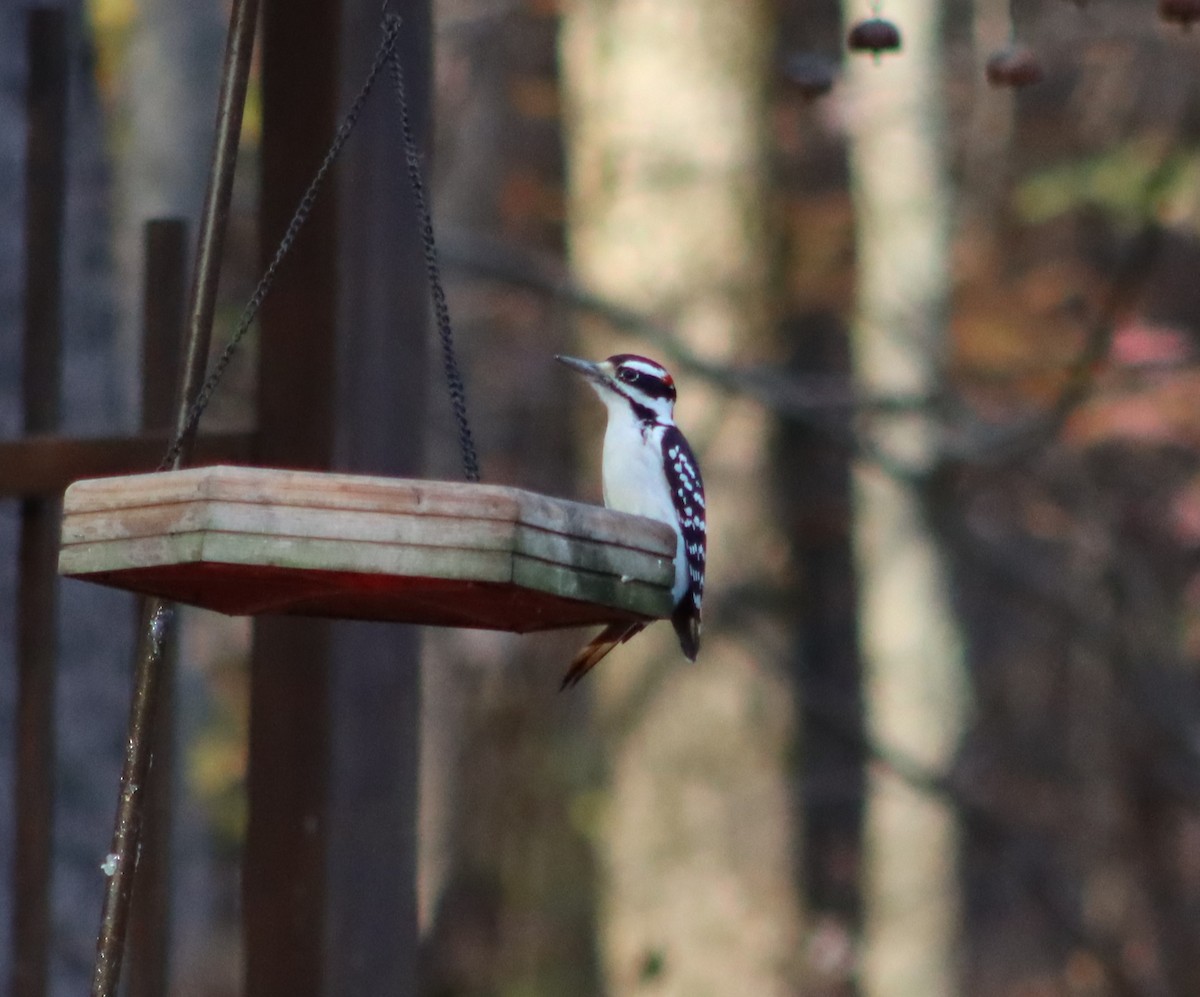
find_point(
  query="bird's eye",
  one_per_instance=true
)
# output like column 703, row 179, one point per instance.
column 627, row 375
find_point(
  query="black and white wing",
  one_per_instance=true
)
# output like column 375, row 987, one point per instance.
column 687, row 488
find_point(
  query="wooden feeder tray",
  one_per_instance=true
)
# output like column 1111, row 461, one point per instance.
column 246, row 541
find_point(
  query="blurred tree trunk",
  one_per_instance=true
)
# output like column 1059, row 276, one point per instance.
column 92, row 695
column 813, row 497
column 162, row 136
column 987, row 162
column 911, row 642
column 667, row 210
column 505, row 872
column 163, row 97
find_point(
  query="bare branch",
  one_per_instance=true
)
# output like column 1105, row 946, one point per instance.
column 821, row 402
column 993, row 444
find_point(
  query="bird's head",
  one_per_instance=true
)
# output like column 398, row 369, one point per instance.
column 632, row 381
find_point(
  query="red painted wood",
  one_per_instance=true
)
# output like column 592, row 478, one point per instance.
column 239, row 589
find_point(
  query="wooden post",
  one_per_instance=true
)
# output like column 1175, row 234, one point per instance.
column 164, row 276
column 382, row 368
column 283, row 877
column 37, row 594
column 331, row 850
column 382, row 372
column 812, row 477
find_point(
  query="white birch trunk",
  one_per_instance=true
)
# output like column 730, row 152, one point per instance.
column 910, row 638
column 666, row 120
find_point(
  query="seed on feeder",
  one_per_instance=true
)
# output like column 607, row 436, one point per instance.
column 811, row 74
column 874, row 35
column 1181, row 12
column 1014, row 66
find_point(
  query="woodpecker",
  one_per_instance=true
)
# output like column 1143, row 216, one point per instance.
column 648, row 470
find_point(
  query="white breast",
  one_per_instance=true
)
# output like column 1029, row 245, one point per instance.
column 634, row 480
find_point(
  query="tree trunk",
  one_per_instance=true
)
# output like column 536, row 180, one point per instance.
column 506, row 877
column 910, row 638
column 668, row 213
column 162, row 137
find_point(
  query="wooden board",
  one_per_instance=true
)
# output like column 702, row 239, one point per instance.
column 245, row 541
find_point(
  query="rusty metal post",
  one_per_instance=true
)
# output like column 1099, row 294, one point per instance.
column 121, row 862
column 239, row 47
column 37, row 598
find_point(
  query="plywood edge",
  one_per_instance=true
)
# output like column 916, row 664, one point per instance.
column 256, row 525
column 594, row 555
column 322, row 570
column 286, row 554
column 294, row 522
column 566, row 516
column 344, row 493
column 81, row 560
column 628, row 594
column 366, row 556
column 290, row 488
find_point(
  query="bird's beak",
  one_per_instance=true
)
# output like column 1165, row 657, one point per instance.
column 592, row 371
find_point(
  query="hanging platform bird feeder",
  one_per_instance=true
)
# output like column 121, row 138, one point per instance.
column 246, row 541
column 250, row 541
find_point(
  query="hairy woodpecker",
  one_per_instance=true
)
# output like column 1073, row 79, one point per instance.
column 648, row 470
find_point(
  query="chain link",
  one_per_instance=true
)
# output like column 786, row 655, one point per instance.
column 387, row 46
column 385, row 53
column 454, row 381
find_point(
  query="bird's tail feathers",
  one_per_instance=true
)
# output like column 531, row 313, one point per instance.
column 687, row 626
column 591, row 655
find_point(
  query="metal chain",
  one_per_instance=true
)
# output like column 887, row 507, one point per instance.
column 454, row 381
column 387, row 45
